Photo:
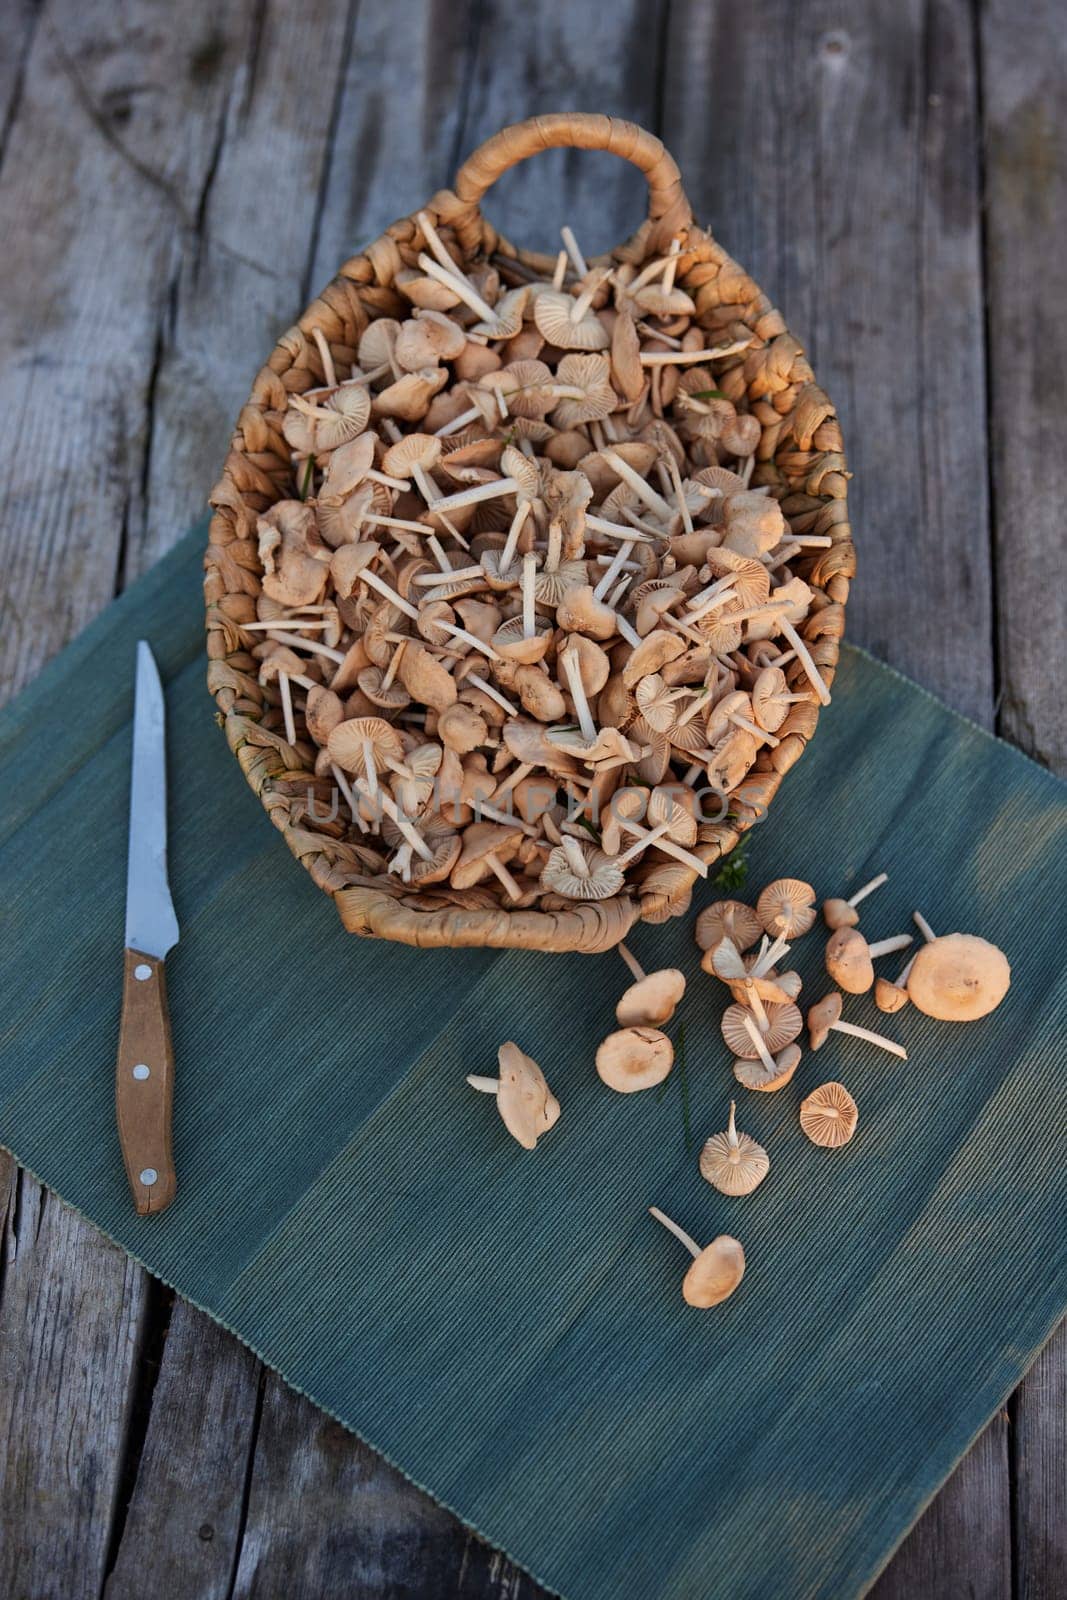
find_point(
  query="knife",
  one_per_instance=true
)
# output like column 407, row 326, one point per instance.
column 144, row 1074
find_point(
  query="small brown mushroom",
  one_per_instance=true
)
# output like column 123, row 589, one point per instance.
column 766, row 1078
column 732, row 1162
column 483, row 845
column 727, row 919
column 891, row 995
column 653, row 996
column 744, row 1036
column 786, row 907
column 824, row 1018
column 958, row 977
column 843, row 913
column 829, row 1115
column 716, row 1270
column 527, row 1106
column 849, row 957
column 634, row 1058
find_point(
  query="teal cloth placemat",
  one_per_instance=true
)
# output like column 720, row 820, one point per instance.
column 508, row 1327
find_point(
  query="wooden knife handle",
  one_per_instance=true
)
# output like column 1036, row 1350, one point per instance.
column 144, row 1084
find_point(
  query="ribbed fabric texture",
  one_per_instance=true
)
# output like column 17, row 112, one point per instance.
column 508, row 1327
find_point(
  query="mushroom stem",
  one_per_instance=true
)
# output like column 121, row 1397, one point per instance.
column 632, row 962
column 647, row 836
column 679, row 1233
column 902, row 981
column 572, row 667
column 758, row 733
column 523, row 770
column 295, row 642
column 670, row 358
column 400, row 484
column 616, row 530
column 612, row 570
column 761, row 1048
column 885, row 947
column 669, row 847
column 679, row 492
column 471, row 638
column 394, row 662
column 586, row 298
column 350, row 799
column 804, row 657
column 500, row 871
column 731, row 1127
column 560, row 271
column 371, row 769
column 672, row 265
column 484, row 808
column 473, row 497
column 412, row 835
column 458, row 423
column 384, row 589
column 511, row 543
column 717, row 594
column 756, row 1005
column 570, row 244
column 868, row 888
column 768, row 957
column 529, row 571
column 458, row 285
column 287, row 707
column 680, row 627
column 923, row 926
column 494, row 694
column 329, row 371
column 627, row 631
column 483, row 1085
column 644, row 491
column 871, row 1038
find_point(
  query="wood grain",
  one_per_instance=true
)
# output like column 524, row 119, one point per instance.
column 143, row 1104
column 71, row 1317
column 834, row 151
column 1026, row 287
column 157, row 167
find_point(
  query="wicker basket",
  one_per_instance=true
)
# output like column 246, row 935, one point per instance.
column 799, row 459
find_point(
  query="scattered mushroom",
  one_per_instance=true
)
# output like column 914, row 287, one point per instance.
column 732, row 1162
column 728, row 919
column 787, row 907
column 824, row 1018
column 843, row 913
column 527, row 1106
column 634, row 1058
column 957, row 977
column 716, row 1270
column 849, row 957
column 652, row 998
column 829, row 1115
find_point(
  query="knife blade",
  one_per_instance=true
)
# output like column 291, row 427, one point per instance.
column 144, row 1071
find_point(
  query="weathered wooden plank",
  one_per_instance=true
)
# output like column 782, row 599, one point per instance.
column 241, row 280
column 70, row 1321
column 182, row 1529
column 108, row 149
column 834, row 149
column 1026, row 196
column 105, row 168
column 1026, row 287
column 16, row 36
column 1039, row 1411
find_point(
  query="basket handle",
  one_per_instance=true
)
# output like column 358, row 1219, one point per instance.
column 668, row 208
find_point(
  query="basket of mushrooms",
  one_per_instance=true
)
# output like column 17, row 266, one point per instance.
column 527, row 575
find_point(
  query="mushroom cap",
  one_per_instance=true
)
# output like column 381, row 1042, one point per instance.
column 733, row 1165
column 754, row 1075
column 461, row 728
column 784, row 1024
column 889, row 996
column 715, row 1273
column 848, row 961
column 652, row 999
column 482, row 839
column 600, row 881
column 730, row 919
column 829, row 1115
column 786, row 907
column 347, row 739
column 959, row 978
column 821, row 1018
column 552, row 314
column 770, row 702
column 525, row 1102
column 634, row 1058
column 839, row 914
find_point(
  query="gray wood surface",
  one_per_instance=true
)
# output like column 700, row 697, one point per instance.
column 174, row 183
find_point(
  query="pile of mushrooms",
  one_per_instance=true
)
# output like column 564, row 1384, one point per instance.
column 521, row 570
